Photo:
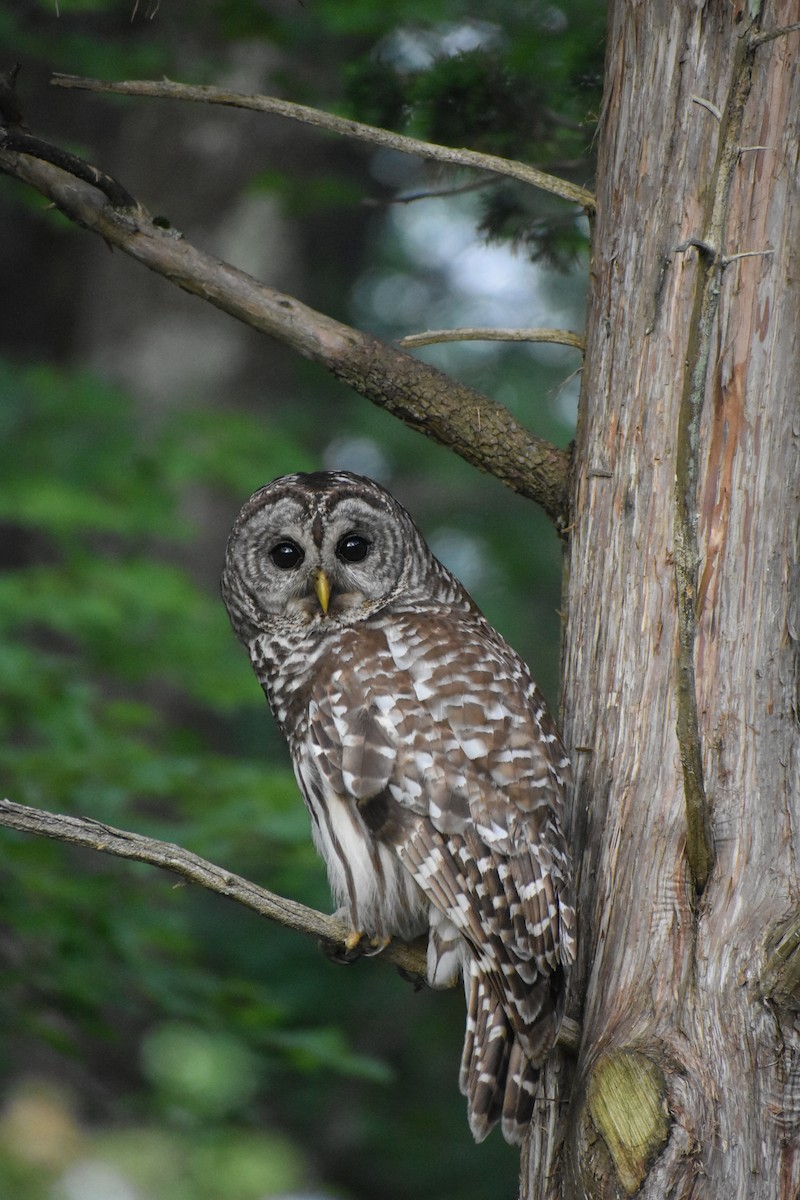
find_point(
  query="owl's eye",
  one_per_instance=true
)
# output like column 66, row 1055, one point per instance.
column 286, row 555
column 353, row 548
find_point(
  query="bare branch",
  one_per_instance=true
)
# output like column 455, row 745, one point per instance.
column 14, row 139
column 769, row 35
column 166, row 89
column 94, row 835
column 462, row 189
column 474, row 426
column 706, row 104
column 561, row 337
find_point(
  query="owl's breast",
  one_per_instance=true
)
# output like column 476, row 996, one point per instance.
column 289, row 666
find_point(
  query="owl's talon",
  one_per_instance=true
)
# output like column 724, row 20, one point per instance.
column 377, row 945
column 345, row 952
column 337, row 953
column 353, row 941
column 355, row 945
column 358, row 945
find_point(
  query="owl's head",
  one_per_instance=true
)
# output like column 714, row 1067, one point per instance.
column 328, row 547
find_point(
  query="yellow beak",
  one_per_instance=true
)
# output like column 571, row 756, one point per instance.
column 322, row 587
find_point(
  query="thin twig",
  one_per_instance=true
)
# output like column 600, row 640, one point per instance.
column 712, row 108
column 561, row 337
column 474, row 185
column 23, row 143
column 727, row 259
column 769, row 35
column 167, row 89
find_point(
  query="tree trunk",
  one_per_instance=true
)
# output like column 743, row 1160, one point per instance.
column 683, row 611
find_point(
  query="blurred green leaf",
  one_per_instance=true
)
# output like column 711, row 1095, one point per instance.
column 211, row 1075
column 326, row 1049
column 124, row 694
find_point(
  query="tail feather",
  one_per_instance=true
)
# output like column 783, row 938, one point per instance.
column 522, row 1082
column 499, row 1074
column 484, row 1062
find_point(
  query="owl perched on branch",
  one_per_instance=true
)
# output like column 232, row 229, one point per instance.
column 433, row 773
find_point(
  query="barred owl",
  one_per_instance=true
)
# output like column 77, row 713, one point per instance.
column 433, row 773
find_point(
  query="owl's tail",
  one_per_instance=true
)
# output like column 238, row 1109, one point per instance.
column 497, row 1075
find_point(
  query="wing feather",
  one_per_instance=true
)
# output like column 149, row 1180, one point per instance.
column 458, row 772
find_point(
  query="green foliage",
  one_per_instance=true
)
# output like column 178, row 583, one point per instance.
column 125, row 699
column 529, row 91
column 544, row 231
column 376, row 93
column 312, row 1050
column 241, row 1164
column 213, row 1054
column 192, row 1161
column 70, row 460
column 474, row 97
column 208, row 1074
column 119, row 676
column 99, row 42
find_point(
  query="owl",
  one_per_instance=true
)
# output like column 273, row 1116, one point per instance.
column 431, row 768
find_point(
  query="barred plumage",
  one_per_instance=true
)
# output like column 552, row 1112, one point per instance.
column 430, row 766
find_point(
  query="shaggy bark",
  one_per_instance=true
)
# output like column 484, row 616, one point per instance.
column 681, row 687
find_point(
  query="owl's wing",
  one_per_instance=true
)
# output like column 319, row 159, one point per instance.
column 498, row 781
column 440, row 738
column 354, row 748
column 459, row 770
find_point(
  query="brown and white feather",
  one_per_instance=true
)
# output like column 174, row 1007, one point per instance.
column 433, row 773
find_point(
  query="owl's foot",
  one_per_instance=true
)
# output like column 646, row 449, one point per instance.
column 352, row 943
column 357, row 944
column 376, row 946
column 416, row 980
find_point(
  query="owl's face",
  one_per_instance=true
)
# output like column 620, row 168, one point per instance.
column 319, row 548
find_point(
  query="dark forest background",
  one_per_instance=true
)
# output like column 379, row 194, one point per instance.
column 156, row 1042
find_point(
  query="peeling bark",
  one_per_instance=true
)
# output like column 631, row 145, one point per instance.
column 681, row 662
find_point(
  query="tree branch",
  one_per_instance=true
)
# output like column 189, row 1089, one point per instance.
column 166, row 89
column 477, row 428
column 769, row 35
column 95, row 835
column 560, row 337
column 115, row 193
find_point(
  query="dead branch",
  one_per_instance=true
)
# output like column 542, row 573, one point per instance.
column 94, row 835
column 115, row 193
column 560, row 337
column 166, row 89
column 474, row 426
